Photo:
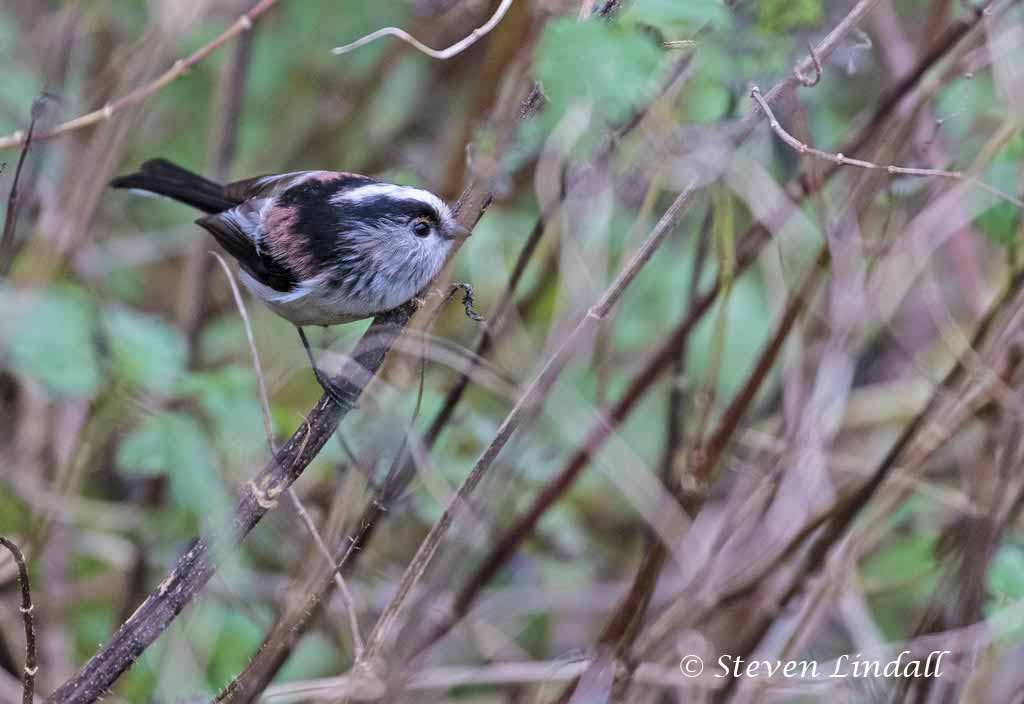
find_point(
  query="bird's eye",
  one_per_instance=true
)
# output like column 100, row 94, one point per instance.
column 421, row 228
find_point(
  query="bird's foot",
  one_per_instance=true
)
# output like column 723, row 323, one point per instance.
column 346, row 400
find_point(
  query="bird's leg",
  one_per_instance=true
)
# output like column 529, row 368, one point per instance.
column 341, row 398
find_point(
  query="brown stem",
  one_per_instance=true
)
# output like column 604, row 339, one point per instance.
column 622, row 627
column 31, row 667
column 737, row 409
column 13, row 203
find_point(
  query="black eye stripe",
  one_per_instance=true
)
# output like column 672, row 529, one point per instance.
column 386, row 208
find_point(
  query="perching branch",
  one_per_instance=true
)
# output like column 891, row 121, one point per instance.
column 195, row 568
column 304, row 516
column 284, row 634
column 28, row 678
column 179, row 68
column 281, row 638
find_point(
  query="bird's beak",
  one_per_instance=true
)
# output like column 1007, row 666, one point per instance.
column 457, row 231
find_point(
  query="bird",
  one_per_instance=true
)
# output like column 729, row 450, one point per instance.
column 317, row 247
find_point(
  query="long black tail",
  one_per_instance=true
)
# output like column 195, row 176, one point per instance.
column 166, row 179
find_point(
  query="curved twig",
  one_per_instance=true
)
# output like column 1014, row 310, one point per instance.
column 28, row 679
column 442, row 54
column 801, row 75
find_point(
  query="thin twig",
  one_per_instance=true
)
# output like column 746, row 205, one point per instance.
column 13, row 203
column 307, row 520
column 443, row 54
column 28, row 678
column 496, row 674
column 261, row 384
column 179, row 68
column 840, row 159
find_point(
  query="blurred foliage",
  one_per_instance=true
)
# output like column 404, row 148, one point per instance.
column 77, row 336
column 780, row 16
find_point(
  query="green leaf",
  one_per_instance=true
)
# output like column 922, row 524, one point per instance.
column 52, row 340
column 612, row 66
column 900, row 576
column 146, row 351
column 707, row 100
column 173, row 445
column 747, row 326
column 673, row 13
column 960, row 104
column 1001, row 222
column 159, row 445
column 227, row 397
column 1006, row 575
column 782, row 16
column 314, row 656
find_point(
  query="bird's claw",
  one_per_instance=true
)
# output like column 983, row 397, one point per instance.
column 345, row 400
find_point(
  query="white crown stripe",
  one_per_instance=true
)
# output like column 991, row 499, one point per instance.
column 376, row 190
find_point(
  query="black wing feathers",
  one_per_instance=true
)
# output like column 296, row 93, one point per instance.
column 260, row 265
column 228, row 212
column 166, row 179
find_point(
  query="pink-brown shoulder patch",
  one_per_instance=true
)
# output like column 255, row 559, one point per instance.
column 285, row 243
column 321, row 176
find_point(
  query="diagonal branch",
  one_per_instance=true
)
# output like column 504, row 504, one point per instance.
column 524, row 410
column 195, row 568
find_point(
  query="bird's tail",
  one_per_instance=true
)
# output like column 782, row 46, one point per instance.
column 164, row 178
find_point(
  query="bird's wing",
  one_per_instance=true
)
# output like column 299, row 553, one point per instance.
column 265, row 186
column 239, row 231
